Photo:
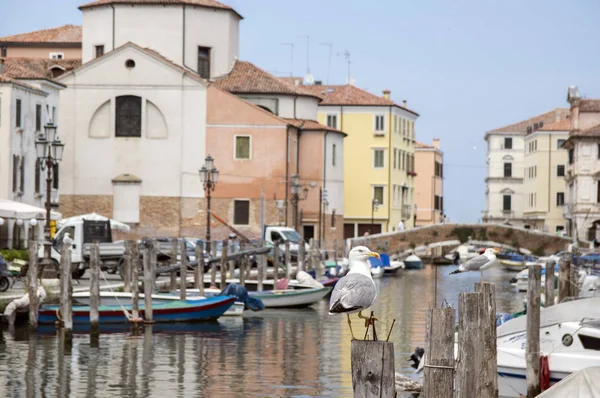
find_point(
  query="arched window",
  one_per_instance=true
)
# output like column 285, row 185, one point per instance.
column 128, row 116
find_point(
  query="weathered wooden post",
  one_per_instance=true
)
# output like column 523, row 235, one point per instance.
column 199, row 251
column 148, row 283
column 262, row 266
column 94, row 286
column 439, row 353
column 275, row 261
column 573, row 281
column 470, row 345
column 231, row 264
column 563, row 279
column 135, row 287
column 183, row 271
column 288, row 260
column 127, row 267
column 532, row 355
column 32, row 284
column 373, row 369
column 301, row 256
column 242, row 265
column 213, row 266
column 549, row 289
column 224, row 264
column 319, row 264
column 489, row 371
column 66, row 289
column 173, row 262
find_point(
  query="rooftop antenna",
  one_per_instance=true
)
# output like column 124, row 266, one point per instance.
column 292, row 57
column 346, row 56
column 308, row 79
column 329, row 59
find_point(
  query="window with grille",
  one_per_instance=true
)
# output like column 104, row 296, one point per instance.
column 38, row 117
column 507, row 169
column 204, row 62
column 378, row 158
column 506, row 203
column 128, row 116
column 99, row 51
column 242, row 147
column 560, row 198
column 241, row 212
column 560, row 170
column 508, row 143
column 378, row 194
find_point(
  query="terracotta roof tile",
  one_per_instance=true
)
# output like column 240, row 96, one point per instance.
column 563, row 125
column 197, row 3
column 62, row 34
column 421, row 145
column 593, row 131
column 545, row 118
column 7, row 80
column 37, row 68
column 247, row 78
column 311, row 125
column 589, row 105
column 350, row 95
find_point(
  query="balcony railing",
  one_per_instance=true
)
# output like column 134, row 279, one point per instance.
column 504, row 214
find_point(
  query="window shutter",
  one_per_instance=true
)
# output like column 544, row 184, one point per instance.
column 22, row 176
column 15, row 172
column 37, row 176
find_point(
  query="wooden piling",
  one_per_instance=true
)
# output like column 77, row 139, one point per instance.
column 563, row 279
column 318, row 263
column 262, row 266
column 489, row 371
column 301, row 265
column 94, row 286
column 213, row 266
column 470, row 345
column 183, row 264
column 276, row 261
column 135, row 286
column 32, row 284
column 439, row 353
column 335, row 251
column 532, row 355
column 311, row 257
column 148, row 285
column 231, row 263
column 199, row 251
column 66, row 289
column 127, row 267
column 373, row 369
column 224, row 264
column 573, row 281
column 173, row 262
column 288, row 260
column 549, row 288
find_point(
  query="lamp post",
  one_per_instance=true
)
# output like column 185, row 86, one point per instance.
column 209, row 175
column 296, row 188
column 374, row 208
column 49, row 150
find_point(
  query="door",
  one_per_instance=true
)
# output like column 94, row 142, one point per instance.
column 309, row 232
column 370, row 228
column 348, row 231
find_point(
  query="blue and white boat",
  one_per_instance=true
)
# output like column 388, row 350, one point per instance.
column 413, row 262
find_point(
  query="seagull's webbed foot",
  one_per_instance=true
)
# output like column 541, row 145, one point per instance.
column 350, row 326
column 368, row 320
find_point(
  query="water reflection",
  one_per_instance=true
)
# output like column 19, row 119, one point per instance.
column 274, row 353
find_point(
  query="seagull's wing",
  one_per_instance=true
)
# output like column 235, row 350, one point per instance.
column 476, row 263
column 353, row 292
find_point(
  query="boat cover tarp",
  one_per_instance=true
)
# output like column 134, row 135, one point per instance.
column 242, row 295
column 582, row 384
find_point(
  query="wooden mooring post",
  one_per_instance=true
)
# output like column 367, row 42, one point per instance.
column 288, row 260
column 224, row 264
column 32, row 284
column 573, row 281
column 148, row 282
column 199, row 272
column 439, row 353
column 66, row 289
column 213, row 266
column 173, row 262
column 275, row 261
column 94, row 286
column 335, row 251
column 231, row 263
column 532, row 355
column 262, row 267
column 135, row 286
column 183, row 264
column 564, row 272
column 373, row 369
column 127, row 267
column 489, row 371
column 300, row 266
column 550, row 280
column 470, row 345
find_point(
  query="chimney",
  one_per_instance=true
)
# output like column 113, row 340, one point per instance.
column 1, row 66
column 404, row 103
column 436, row 143
column 574, row 98
column 386, row 94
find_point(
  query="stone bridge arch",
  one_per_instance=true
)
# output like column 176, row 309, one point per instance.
column 539, row 243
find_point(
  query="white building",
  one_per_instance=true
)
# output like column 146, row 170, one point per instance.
column 505, row 199
column 583, row 170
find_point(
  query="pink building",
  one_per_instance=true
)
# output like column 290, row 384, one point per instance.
column 429, row 186
column 63, row 42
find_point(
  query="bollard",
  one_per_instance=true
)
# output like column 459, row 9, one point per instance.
column 549, row 289
column 439, row 353
column 32, row 283
column 199, row 251
column 300, row 266
column 94, row 286
column 183, row 271
column 224, row 264
column 532, row 354
column 373, row 369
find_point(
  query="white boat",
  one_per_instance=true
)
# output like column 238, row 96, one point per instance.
column 122, row 298
column 582, row 384
column 466, row 252
column 413, row 262
column 569, row 336
column 288, row 298
column 394, row 267
column 377, row 272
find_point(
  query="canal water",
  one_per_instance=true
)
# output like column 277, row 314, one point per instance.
column 273, row 353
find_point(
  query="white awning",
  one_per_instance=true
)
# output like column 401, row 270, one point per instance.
column 21, row 211
column 114, row 224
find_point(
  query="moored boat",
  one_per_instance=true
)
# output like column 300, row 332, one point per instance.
column 413, row 262
column 394, row 267
column 291, row 298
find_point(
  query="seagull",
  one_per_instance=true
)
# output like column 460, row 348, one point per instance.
column 356, row 291
column 478, row 263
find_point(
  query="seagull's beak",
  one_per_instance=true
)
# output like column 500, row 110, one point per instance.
column 373, row 254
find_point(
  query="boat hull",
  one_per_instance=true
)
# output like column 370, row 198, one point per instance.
column 413, row 264
column 393, row 268
column 180, row 311
column 291, row 298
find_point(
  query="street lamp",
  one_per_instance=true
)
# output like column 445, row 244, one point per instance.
column 374, row 208
column 209, row 175
column 296, row 189
column 49, row 150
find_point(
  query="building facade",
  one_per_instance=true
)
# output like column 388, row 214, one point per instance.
column 429, row 195
column 505, row 195
column 544, row 185
column 63, row 42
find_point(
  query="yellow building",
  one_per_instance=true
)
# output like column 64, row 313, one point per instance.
column 544, row 178
column 379, row 158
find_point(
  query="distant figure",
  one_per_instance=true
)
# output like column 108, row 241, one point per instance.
column 401, row 226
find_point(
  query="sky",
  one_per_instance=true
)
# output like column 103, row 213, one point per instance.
column 466, row 66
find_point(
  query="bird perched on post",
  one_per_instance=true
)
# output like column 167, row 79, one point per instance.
column 478, row 263
column 356, row 291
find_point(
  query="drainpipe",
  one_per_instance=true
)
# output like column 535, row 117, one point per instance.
column 113, row 26
column 322, row 233
column 295, row 98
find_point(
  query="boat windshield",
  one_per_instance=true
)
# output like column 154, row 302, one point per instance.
column 292, row 236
